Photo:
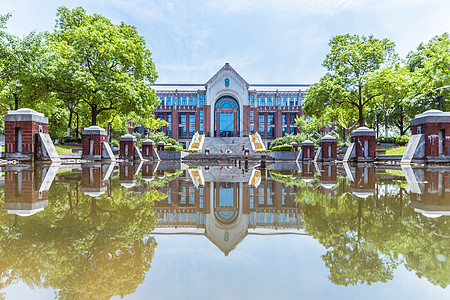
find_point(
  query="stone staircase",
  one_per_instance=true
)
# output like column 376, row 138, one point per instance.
column 214, row 144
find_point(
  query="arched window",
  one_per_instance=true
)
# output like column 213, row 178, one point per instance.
column 227, row 82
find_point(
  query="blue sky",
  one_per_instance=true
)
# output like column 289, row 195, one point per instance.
column 266, row 41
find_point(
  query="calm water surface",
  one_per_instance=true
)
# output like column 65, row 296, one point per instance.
column 172, row 231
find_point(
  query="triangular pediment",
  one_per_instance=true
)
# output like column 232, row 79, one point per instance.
column 223, row 72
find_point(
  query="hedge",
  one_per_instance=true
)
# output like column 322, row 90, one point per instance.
column 173, row 148
column 283, row 148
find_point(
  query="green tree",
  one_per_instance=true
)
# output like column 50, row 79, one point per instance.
column 393, row 85
column 431, row 62
column 110, row 67
column 351, row 59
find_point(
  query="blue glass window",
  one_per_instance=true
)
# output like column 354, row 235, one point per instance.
column 169, row 101
column 261, row 119
column 285, row 101
column 293, row 116
column 201, row 100
column 195, row 101
column 253, row 100
column 284, row 119
column 263, row 102
column 201, row 116
column 270, row 119
column 252, row 116
column 162, row 100
column 227, row 82
column 184, row 101
column 270, row 132
column 283, row 131
column 261, row 131
column 252, row 129
column 182, row 119
column 269, row 101
column 291, row 102
column 169, row 118
column 183, row 132
column 191, row 100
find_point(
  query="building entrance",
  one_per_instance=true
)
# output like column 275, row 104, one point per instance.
column 226, row 117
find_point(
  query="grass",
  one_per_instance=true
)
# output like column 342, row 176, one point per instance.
column 396, row 150
column 65, row 149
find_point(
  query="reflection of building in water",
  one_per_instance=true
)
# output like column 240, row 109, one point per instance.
column 432, row 198
column 94, row 180
column 363, row 185
column 307, row 171
column 128, row 174
column 225, row 212
column 26, row 191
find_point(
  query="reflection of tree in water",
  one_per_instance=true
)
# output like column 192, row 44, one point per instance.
column 83, row 247
column 366, row 239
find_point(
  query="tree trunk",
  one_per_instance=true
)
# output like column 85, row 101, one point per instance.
column 402, row 131
column 386, row 125
column 94, row 115
column 70, row 122
column 360, row 116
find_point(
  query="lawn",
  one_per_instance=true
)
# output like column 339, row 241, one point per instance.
column 66, row 149
column 396, row 150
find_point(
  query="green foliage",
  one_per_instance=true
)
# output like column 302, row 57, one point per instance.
column 105, row 67
column 115, row 143
column 288, row 139
column 173, row 148
column 69, row 139
column 402, row 139
column 389, row 140
column 351, row 59
column 282, row 148
column 161, row 137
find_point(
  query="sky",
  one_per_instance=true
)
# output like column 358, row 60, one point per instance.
column 265, row 41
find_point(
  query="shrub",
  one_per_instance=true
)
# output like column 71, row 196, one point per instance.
column 173, row 148
column 390, row 140
column 114, row 143
column 69, row 139
column 283, row 148
column 402, row 139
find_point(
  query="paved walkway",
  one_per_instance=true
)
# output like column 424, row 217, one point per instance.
column 234, row 144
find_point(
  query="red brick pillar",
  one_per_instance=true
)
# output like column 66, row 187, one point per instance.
column 328, row 144
column 127, row 144
column 307, row 150
column 92, row 139
column 160, row 146
column 365, row 143
column 294, row 146
column 435, row 125
column 20, row 128
column 147, row 148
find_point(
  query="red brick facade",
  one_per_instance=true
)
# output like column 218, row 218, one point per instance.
column 432, row 141
column 93, row 137
column 23, row 124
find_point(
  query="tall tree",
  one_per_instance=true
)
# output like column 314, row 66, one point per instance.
column 111, row 68
column 431, row 62
column 393, row 85
column 351, row 59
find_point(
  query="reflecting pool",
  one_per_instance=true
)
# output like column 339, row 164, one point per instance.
column 169, row 230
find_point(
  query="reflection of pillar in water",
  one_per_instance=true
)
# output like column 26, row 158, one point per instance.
column 92, row 183
column 26, row 191
column 364, row 184
column 433, row 198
